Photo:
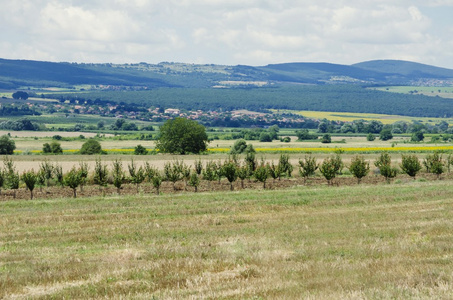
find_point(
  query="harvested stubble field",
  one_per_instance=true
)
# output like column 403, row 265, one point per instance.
column 317, row 242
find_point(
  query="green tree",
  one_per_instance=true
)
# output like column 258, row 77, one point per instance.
column 47, row 169
column 326, row 139
column 59, row 176
column 91, row 147
column 307, row 167
column 239, row 147
column 137, row 175
column 242, row 174
column 55, row 148
column 434, row 164
column 230, row 171
column 20, row 95
column 30, row 178
column 410, row 165
column 182, row 136
column 140, row 150
column 118, row 175
column 72, row 179
column 209, row 172
column 46, row 148
column 7, row 145
column 157, row 182
column 385, row 134
column 172, row 172
column 194, row 181
column 261, row 174
column 417, row 136
column 359, row 167
column 12, row 178
column 285, row 166
column 329, row 169
column 384, row 164
column 100, row 173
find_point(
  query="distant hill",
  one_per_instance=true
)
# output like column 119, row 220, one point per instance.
column 15, row 74
column 407, row 69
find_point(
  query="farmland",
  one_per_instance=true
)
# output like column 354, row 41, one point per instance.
column 315, row 242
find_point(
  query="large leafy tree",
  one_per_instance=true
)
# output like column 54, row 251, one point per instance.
column 7, row 145
column 182, row 136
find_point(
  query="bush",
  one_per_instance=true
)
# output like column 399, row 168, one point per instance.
column 434, row 164
column 91, row 147
column 265, row 137
column 329, row 169
column 7, row 145
column 54, row 147
column 417, row 136
column 370, row 137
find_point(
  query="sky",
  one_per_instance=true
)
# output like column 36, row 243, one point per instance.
column 227, row 32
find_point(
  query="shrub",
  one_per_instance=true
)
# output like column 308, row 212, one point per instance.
column 417, row 136
column 284, row 165
column 386, row 134
column 359, row 167
column 118, row 175
column 370, row 137
column 194, row 181
column 91, row 147
column 100, row 173
column 410, row 165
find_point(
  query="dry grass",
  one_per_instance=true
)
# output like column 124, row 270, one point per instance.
column 383, row 241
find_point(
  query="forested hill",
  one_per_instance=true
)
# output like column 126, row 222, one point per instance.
column 25, row 73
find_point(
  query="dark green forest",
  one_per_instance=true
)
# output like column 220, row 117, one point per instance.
column 340, row 98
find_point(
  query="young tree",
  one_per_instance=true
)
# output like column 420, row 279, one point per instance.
column 58, row 172
column 194, row 181
column 284, row 165
column 172, row 172
column 385, row 134
column 55, row 148
column 150, row 172
column 250, row 163
column 384, row 164
column 198, row 165
column 137, row 175
column 46, row 167
column 275, row 171
column 261, row 174
column 118, row 175
column 242, row 174
column 370, row 137
column 83, row 169
column 30, row 178
column 182, row 136
column 308, row 166
column 157, row 182
column 230, row 172
column 326, row 139
column 410, row 165
column 12, row 178
column 100, row 173
column 209, row 172
column 359, row 167
column 434, row 164
column 329, row 169
column 72, row 179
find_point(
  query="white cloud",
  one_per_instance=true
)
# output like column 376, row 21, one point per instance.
column 252, row 32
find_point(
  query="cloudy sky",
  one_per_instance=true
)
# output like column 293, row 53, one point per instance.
column 252, row 32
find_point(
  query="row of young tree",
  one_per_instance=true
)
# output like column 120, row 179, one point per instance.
column 232, row 169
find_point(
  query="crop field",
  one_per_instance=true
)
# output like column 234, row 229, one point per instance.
column 353, row 242
column 349, row 117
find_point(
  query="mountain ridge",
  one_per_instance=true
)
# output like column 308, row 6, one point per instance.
column 22, row 73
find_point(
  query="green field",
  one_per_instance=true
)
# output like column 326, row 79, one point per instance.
column 375, row 242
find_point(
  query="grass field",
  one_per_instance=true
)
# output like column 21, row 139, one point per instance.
column 378, row 242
